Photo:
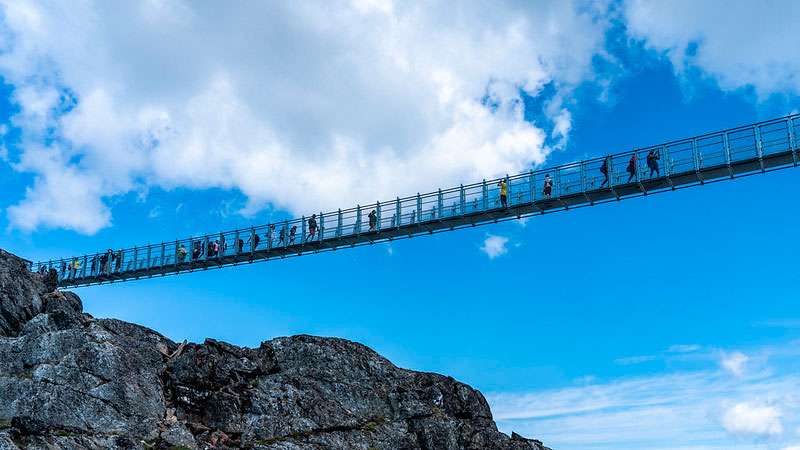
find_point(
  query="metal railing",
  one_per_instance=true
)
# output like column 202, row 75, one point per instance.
column 760, row 147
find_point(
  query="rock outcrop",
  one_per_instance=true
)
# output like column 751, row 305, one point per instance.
column 70, row 381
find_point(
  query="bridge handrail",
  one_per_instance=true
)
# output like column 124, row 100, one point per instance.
column 718, row 147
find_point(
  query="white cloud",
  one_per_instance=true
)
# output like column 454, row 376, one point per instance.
column 630, row 360
column 683, row 348
column 734, row 362
column 303, row 105
column 495, row 246
column 696, row 410
column 747, row 418
column 792, row 447
column 736, row 43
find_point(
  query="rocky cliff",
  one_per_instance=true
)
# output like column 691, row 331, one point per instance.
column 70, row 381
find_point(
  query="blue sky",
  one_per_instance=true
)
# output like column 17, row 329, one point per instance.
column 663, row 322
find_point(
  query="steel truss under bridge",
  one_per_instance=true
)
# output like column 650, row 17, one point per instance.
column 717, row 156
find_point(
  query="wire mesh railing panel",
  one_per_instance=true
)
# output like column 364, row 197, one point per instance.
column 774, row 137
column 742, row 144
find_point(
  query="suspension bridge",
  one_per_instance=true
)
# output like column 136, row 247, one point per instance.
column 722, row 155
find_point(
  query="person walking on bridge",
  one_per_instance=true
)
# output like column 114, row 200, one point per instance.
column 181, row 253
column 373, row 220
column 548, row 186
column 632, row 165
column 292, row 234
column 312, row 227
column 604, row 170
column 270, row 234
column 652, row 162
column 503, row 193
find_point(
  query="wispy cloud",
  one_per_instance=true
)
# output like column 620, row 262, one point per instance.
column 629, row 360
column 734, row 362
column 706, row 409
column 683, row 348
column 495, row 246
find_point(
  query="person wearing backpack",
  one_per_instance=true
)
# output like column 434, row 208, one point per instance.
column 632, row 167
column 652, row 162
column 373, row 220
column 548, row 186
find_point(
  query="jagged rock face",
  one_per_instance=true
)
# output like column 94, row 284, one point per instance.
column 68, row 380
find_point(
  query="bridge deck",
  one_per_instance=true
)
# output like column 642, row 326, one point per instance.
column 722, row 155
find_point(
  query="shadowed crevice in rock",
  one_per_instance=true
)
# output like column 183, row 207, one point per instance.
column 68, row 380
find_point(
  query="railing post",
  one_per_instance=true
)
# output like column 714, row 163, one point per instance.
column 162, row 263
column 204, row 250
column 177, row 247
column 357, row 229
column 83, row 271
column 726, row 148
column 463, row 198
column 792, row 139
column 221, row 249
column 236, row 239
column 698, row 160
column 398, row 213
column 339, row 224
column 135, row 259
column 759, row 146
column 485, row 195
column 321, row 231
column 149, row 255
column 252, row 241
column 419, row 208
column 378, row 212
column 439, row 204
column 285, row 233
column 302, row 229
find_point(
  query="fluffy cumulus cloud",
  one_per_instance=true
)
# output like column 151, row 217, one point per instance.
column 747, row 418
column 495, row 246
column 739, row 44
column 301, row 105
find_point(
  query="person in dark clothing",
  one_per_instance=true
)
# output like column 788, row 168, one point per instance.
column 548, row 186
column 210, row 249
column 312, row 227
column 632, row 164
column 118, row 261
column 256, row 240
column 63, row 269
column 292, row 234
column 196, row 250
column 239, row 245
column 652, row 162
column 282, row 236
column 604, row 170
column 373, row 220
column 94, row 264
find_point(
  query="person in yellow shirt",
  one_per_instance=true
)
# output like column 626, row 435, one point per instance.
column 503, row 193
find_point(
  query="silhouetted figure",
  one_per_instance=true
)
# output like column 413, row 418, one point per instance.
column 282, row 236
column 652, row 162
column 312, row 227
column 373, row 220
column 118, row 261
column 547, row 190
column 632, row 163
column 292, row 234
column 604, row 170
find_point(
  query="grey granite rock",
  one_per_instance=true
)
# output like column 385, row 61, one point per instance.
column 69, row 381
